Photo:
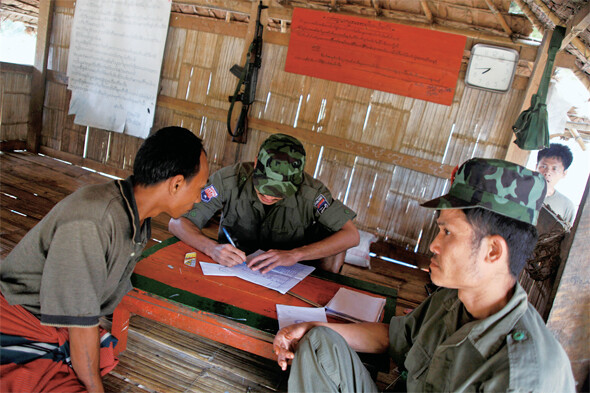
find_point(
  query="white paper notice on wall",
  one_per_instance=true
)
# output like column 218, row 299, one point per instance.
column 114, row 63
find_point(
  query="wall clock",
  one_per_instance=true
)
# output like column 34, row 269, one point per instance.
column 491, row 67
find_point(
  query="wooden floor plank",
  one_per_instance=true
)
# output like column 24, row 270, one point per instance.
column 41, row 189
column 165, row 359
column 37, row 210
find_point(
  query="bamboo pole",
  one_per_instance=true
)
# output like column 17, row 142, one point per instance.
column 499, row 16
column 427, row 11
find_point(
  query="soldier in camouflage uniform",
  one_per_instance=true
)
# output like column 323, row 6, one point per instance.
column 477, row 332
column 273, row 205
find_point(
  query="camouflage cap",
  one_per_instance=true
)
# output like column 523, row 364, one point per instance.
column 279, row 168
column 500, row 186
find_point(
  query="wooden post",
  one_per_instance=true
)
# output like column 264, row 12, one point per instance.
column 39, row 72
column 570, row 311
column 514, row 153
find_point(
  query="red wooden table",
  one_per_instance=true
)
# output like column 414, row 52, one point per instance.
column 228, row 310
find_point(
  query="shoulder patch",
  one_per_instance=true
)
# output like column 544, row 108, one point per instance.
column 321, row 203
column 209, row 193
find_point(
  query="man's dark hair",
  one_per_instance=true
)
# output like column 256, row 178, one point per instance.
column 169, row 152
column 557, row 150
column 520, row 237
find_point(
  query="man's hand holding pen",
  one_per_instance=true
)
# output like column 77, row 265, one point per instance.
column 228, row 254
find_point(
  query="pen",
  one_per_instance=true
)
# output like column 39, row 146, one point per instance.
column 304, row 299
column 229, row 238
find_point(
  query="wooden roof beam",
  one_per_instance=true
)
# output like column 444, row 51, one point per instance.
column 499, row 16
column 576, row 25
column 562, row 59
column 427, row 11
column 530, row 15
column 576, row 42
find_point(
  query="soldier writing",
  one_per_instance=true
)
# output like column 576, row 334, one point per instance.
column 273, row 205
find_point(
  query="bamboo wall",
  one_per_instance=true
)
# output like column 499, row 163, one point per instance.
column 382, row 154
column 15, row 96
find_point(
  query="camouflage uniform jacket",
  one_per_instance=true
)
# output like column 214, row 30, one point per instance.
column 289, row 223
column 445, row 350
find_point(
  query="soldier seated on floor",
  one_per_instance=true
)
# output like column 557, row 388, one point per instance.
column 478, row 332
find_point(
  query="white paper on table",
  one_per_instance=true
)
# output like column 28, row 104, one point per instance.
column 215, row 269
column 357, row 305
column 281, row 278
column 288, row 315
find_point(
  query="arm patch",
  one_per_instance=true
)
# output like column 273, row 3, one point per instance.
column 209, row 193
column 321, row 203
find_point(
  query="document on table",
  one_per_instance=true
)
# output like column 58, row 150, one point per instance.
column 281, row 278
column 288, row 315
column 355, row 306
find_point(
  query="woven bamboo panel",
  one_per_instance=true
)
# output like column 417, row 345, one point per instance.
column 385, row 194
column 386, row 197
column 205, row 76
column 15, row 96
column 59, row 43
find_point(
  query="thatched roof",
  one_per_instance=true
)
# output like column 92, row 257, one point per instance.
column 25, row 11
column 488, row 16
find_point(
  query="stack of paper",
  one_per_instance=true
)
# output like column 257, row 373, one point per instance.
column 355, row 306
column 288, row 315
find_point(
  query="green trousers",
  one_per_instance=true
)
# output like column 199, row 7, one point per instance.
column 325, row 363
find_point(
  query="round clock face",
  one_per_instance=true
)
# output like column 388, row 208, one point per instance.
column 491, row 67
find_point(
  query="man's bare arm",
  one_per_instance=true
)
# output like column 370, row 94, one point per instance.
column 85, row 355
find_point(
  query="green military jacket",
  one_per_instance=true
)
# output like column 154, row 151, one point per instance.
column 303, row 218
column 445, row 350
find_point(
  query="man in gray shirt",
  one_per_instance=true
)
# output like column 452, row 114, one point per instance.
column 553, row 163
column 75, row 265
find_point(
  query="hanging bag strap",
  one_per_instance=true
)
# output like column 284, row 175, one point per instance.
column 554, row 46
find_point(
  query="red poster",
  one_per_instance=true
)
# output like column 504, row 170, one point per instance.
column 398, row 59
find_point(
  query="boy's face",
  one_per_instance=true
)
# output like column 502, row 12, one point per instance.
column 552, row 169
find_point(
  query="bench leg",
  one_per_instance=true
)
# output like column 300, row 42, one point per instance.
column 120, row 327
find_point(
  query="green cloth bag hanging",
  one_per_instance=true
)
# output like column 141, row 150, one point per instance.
column 532, row 126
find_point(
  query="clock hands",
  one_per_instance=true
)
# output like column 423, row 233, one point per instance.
column 484, row 68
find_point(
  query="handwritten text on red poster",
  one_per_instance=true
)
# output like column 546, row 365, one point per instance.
column 384, row 56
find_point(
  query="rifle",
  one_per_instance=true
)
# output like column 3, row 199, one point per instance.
column 246, row 89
